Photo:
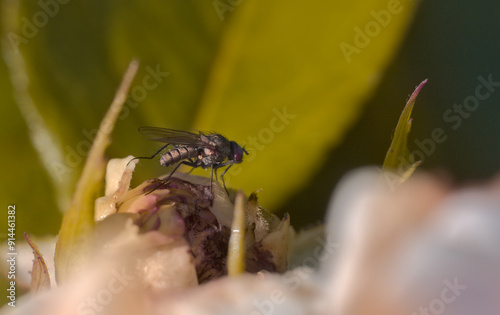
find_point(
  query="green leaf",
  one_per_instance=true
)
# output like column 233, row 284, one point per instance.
column 274, row 80
column 232, row 68
column 25, row 183
column 398, row 155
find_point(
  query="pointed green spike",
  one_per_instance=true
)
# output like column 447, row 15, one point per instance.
column 398, row 155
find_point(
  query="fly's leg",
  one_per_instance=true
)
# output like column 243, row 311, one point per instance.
column 211, row 179
column 222, row 178
column 192, row 169
column 230, row 163
column 164, row 181
column 149, row 157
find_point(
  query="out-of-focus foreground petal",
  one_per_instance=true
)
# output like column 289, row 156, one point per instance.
column 421, row 248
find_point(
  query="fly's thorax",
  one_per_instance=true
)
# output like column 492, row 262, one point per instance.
column 220, row 143
column 211, row 156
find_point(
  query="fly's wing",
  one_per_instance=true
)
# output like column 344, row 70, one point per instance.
column 172, row 136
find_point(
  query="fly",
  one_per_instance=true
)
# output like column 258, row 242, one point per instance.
column 195, row 150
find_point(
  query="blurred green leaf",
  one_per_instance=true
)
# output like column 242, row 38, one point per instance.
column 272, row 79
column 25, row 183
column 235, row 72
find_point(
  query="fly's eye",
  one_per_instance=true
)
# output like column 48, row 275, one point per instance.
column 238, row 156
column 237, row 152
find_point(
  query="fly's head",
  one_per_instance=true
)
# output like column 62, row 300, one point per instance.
column 237, row 152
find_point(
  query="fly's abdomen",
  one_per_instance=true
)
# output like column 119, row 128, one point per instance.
column 178, row 154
